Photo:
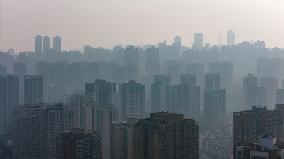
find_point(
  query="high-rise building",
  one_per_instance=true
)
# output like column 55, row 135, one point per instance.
column 152, row 61
column 131, row 62
column 198, row 70
column 198, row 41
column 20, row 68
column 256, row 96
column 226, row 71
column 248, row 125
column 266, row 147
column 57, row 44
column 215, row 107
column 183, row 99
column 46, row 44
column 3, row 70
column 38, row 44
column 28, row 131
column 119, row 139
column 102, row 92
column 231, row 38
column 102, row 124
column 9, row 96
column 280, row 96
column 158, row 92
column 250, row 87
column 270, row 85
column 173, row 68
column 132, row 100
column 177, row 42
column 189, row 79
column 33, row 89
column 166, row 135
column 78, row 144
column 58, row 120
column 212, row 82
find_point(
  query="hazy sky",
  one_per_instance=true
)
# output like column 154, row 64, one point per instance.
column 110, row 22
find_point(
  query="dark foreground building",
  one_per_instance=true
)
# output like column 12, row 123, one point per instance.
column 166, row 136
column 78, row 144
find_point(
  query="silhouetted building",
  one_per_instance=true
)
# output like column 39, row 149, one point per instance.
column 270, row 85
column 248, row 125
column 177, row 42
column 35, row 127
column 119, row 146
column 152, row 62
column 265, row 148
column 198, row 41
column 215, row 107
column 28, row 132
column 78, row 144
column 20, row 68
column 166, row 135
column 158, row 92
column 102, row 92
column 59, row 119
column 46, row 44
column 212, row 81
column 3, row 70
column 33, row 89
column 102, row 119
column 280, row 96
column 183, row 99
column 231, row 38
column 38, row 44
column 226, row 71
column 132, row 100
column 131, row 62
column 9, row 96
column 189, row 79
column 57, row 44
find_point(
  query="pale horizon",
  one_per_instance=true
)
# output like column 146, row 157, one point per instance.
column 106, row 23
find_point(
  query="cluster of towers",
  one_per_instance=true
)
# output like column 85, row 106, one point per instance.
column 42, row 44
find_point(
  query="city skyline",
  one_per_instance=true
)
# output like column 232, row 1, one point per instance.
column 106, row 24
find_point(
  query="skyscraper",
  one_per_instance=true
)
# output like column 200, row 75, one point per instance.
column 177, row 42
column 102, row 119
column 119, row 139
column 212, row 81
column 38, row 44
column 158, row 92
column 33, row 89
column 132, row 100
column 270, row 85
column 58, row 120
column 215, row 107
column 231, row 38
column 9, row 96
column 20, row 68
column 250, row 124
column 183, row 99
column 189, row 79
column 198, row 41
column 166, row 135
column 28, row 132
column 102, row 92
column 57, row 44
column 250, row 84
column 78, row 144
column 226, row 71
column 152, row 61
column 131, row 62
column 46, row 44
